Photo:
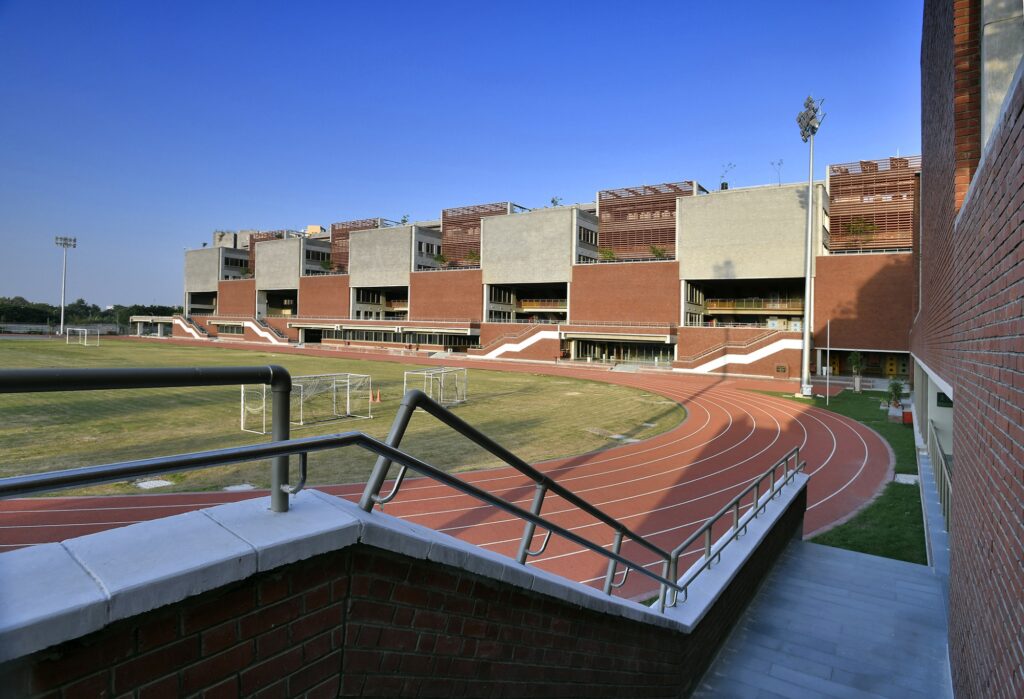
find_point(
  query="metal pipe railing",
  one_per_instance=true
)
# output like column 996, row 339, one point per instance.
column 943, row 478
column 713, row 550
column 277, row 377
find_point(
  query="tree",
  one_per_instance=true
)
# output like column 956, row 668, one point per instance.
column 861, row 229
column 856, row 361
column 556, row 201
column 404, row 220
column 473, row 256
column 607, row 254
column 658, row 253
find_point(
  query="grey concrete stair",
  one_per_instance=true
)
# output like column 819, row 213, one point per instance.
column 835, row 623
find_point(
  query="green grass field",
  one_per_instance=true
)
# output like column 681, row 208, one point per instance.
column 892, row 526
column 537, row 417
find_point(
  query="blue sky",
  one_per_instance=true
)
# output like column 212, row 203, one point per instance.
column 142, row 127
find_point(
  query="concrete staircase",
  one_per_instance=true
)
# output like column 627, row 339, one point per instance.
column 835, row 623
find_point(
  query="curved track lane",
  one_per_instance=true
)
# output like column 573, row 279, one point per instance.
column 662, row 488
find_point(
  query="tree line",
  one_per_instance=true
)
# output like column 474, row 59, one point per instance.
column 17, row 309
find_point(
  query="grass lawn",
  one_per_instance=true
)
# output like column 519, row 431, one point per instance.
column 537, row 417
column 892, row 525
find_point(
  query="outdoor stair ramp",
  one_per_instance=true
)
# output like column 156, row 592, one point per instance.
column 682, row 600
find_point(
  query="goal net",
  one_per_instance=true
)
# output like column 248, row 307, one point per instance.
column 447, row 385
column 315, row 399
column 82, row 336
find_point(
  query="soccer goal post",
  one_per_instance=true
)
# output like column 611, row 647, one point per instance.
column 315, row 399
column 82, row 336
column 446, row 385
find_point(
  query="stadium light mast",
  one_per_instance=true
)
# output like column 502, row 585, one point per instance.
column 809, row 122
column 64, row 242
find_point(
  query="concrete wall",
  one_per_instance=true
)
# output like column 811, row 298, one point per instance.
column 202, row 269
column 635, row 292
column 279, row 263
column 532, row 247
column 380, row 257
column 753, row 233
column 1002, row 43
column 869, row 300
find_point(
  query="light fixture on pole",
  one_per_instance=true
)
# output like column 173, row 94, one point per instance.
column 809, row 122
column 64, row 242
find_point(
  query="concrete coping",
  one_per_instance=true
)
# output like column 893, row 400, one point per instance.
column 94, row 580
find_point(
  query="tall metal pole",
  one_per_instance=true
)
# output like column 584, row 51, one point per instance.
column 65, row 243
column 805, row 356
column 809, row 123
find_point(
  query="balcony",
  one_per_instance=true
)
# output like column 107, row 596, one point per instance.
column 755, row 305
column 542, row 305
column 397, row 304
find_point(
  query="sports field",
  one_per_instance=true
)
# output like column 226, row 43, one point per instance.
column 537, row 417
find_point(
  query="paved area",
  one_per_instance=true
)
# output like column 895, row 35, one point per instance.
column 834, row 623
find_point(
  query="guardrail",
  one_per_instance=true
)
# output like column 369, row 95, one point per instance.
column 943, row 471
column 388, row 452
column 755, row 304
column 713, row 550
column 55, row 380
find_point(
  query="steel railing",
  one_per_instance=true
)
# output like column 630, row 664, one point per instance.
column 790, row 465
column 388, row 452
column 943, row 471
column 54, row 380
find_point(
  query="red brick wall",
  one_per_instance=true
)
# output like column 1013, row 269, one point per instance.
column 237, row 297
column 454, row 295
column 695, row 342
column 645, row 292
column 367, row 622
column 324, row 296
column 282, row 325
column 987, row 352
column 869, row 299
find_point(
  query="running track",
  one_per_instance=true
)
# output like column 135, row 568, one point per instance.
column 662, row 488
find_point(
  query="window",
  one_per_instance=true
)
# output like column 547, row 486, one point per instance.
column 587, row 236
column 230, row 330
column 500, row 294
column 943, row 401
column 367, row 296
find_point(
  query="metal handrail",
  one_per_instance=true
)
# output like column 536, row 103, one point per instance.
column 943, row 479
column 713, row 550
column 388, row 452
column 53, row 380
column 418, row 399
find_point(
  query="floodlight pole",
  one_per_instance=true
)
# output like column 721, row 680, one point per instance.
column 809, row 123
column 65, row 243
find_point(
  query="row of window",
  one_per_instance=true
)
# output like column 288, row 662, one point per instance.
column 587, row 236
column 406, row 338
column 236, row 262
column 501, row 294
column 367, row 296
column 318, row 255
column 230, row 330
column 694, row 295
column 425, row 248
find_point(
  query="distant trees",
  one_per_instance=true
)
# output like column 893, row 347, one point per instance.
column 17, row 309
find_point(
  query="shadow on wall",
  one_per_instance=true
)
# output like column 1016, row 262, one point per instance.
column 725, row 270
column 868, row 298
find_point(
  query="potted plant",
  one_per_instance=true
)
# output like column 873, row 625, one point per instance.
column 856, row 361
column 895, row 402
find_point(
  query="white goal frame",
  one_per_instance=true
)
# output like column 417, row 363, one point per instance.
column 447, row 385
column 315, row 399
column 82, row 336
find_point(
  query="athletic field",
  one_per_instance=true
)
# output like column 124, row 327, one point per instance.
column 537, row 417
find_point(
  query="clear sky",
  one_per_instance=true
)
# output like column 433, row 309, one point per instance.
column 141, row 127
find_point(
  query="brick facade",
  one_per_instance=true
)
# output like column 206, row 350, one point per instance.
column 363, row 621
column 324, row 296
column 869, row 299
column 454, row 295
column 645, row 292
column 237, row 297
column 970, row 331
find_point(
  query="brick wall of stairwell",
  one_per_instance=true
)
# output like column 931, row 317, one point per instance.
column 985, row 345
column 695, row 341
column 281, row 324
column 363, row 621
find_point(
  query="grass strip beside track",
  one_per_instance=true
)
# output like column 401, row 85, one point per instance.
column 892, row 526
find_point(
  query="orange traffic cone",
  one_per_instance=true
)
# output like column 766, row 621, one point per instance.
column 378, row 396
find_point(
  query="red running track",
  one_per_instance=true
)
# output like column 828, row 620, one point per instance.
column 662, row 488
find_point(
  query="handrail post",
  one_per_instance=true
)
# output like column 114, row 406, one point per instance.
column 611, row 564
column 383, row 464
column 280, row 432
column 529, row 528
